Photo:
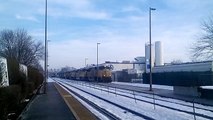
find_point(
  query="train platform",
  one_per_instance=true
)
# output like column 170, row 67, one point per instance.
column 56, row 104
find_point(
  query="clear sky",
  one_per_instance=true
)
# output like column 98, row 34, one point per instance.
column 121, row 26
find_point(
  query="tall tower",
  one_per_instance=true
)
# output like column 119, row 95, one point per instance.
column 147, row 56
column 158, row 54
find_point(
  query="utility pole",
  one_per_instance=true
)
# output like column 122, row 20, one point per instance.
column 150, row 46
column 45, row 53
column 97, row 61
column 48, row 59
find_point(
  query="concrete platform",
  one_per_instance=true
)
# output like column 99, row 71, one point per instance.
column 80, row 111
column 50, row 106
column 56, row 104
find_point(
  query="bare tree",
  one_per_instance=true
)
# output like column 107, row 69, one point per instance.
column 203, row 47
column 18, row 44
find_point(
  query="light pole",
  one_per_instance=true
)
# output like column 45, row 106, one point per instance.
column 86, row 62
column 45, row 52
column 97, row 60
column 47, row 63
column 150, row 46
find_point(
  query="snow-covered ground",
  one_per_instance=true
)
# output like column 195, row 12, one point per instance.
column 207, row 87
column 145, row 85
column 144, row 108
column 50, row 80
column 155, row 86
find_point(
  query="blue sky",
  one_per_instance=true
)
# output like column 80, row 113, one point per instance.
column 121, row 26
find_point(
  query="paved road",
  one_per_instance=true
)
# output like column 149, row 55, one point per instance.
column 50, row 106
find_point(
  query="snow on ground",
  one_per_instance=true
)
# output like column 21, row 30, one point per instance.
column 207, row 87
column 145, row 85
column 50, row 80
column 162, row 100
column 141, row 107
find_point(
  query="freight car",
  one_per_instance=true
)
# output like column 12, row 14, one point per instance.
column 101, row 73
column 185, row 74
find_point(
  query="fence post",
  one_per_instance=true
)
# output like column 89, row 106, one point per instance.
column 134, row 95
column 194, row 108
column 100, row 87
column 153, row 99
column 115, row 92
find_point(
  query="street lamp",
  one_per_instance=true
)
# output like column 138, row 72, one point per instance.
column 97, row 60
column 150, row 46
column 45, row 52
column 47, row 59
column 86, row 62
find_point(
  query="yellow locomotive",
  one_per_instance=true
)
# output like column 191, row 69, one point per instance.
column 101, row 73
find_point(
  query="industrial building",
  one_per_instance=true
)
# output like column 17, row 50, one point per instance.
column 127, row 71
column 186, row 78
column 157, row 55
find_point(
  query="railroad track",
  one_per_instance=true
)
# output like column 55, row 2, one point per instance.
column 102, row 110
column 157, row 104
column 151, row 98
column 140, row 93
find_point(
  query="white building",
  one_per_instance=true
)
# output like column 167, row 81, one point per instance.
column 140, row 64
column 4, row 72
column 126, row 71
column 157, row 55
column 119, row 66
column 147, row 56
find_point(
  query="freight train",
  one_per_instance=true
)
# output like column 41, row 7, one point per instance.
column 185, row 74
column 101, row 73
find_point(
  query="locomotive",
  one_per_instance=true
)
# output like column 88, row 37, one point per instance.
column 101, row 73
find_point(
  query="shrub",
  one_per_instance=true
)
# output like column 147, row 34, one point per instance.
column 30, row 87
column 16, row 77
column 35, row 76
column 20, row 88
column 9, row 100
